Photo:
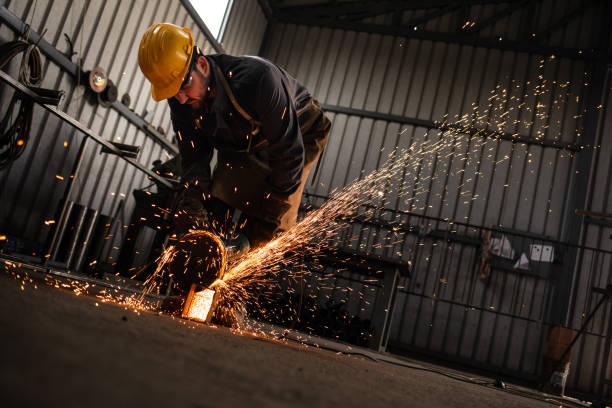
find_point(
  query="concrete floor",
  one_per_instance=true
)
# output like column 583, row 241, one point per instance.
column 59, row 349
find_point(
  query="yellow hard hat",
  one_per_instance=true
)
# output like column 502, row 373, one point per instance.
column 164, row 56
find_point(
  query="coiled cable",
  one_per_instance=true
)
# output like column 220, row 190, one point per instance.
column 14, row 133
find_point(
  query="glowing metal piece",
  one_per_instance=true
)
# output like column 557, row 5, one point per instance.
column 200, row 304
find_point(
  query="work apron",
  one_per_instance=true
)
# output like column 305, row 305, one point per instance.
column 240, row 179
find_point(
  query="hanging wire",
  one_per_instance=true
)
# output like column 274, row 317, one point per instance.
column 14, row 133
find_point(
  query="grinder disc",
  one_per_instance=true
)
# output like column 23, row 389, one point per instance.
column 199, row 258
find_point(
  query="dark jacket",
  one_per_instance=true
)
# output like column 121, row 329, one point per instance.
column 270, row 96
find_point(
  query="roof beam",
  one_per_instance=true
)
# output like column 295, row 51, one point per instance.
column 455, row 128
column 565, row 19
column 451, row 38
column 511, row 8
column 417, row 21
column 371, row 8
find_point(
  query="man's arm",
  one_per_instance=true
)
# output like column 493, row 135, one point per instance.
column 196, row 154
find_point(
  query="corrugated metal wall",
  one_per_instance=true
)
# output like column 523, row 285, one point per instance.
column 520, row 186
column 245, row 28
column 105, row 34
column 498, row 183
column 591, row 346
column 523, row 187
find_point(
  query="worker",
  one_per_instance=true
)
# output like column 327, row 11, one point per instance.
column 266, row 127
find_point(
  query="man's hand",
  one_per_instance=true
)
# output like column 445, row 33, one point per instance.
column 191, row 212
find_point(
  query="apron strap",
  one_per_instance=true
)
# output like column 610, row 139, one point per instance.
column 255, row 125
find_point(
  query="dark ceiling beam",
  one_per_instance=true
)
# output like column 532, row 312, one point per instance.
column 398, row 12
column 417, row 21
column 506, row 12
column 451, row 38
column 266, row 8
column 564, row 20
column 371, row 7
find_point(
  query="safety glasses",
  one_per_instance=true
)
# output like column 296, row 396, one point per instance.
column 189, row 76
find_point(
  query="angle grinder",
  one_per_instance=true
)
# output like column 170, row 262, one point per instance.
column 199, row 259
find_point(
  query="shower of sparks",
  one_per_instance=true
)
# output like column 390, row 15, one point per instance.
column 451, row 156
column 470, row 140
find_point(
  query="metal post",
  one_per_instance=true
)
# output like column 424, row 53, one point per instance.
column 603, row 380
column 387, row 302
column 82, row 251
column 583, row 180
column 65, row 211
column 77, row 233
column 59, row 231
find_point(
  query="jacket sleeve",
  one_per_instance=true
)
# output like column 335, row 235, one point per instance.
column 281, row 128
column 196, row 154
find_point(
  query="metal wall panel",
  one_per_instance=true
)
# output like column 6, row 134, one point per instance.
column 592, row 345
column 245, row 28
column 445, row 308
column 426, row 80
column 106, row 34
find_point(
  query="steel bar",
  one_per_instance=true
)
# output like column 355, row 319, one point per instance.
column 409, row 228
column 88, row 132
column 594, row 214
column 76, row 235
column 86, row 241
column 485, row 133
column 59, row 230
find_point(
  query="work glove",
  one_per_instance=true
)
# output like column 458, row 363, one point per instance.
column 191, row 213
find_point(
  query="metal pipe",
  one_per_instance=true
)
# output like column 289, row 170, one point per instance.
column 65, row 211
column 429, row 124
column 77, row 232
column 78, row 263
column 59, row 230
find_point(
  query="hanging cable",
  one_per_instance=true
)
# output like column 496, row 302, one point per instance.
column 14, row 133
